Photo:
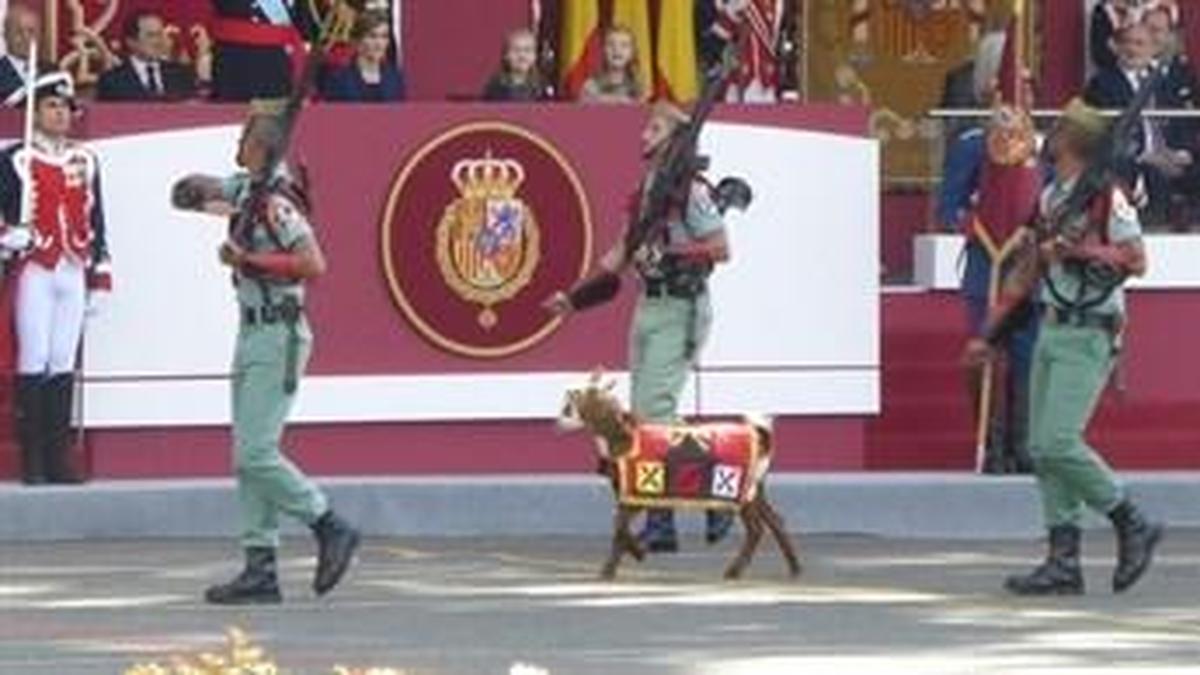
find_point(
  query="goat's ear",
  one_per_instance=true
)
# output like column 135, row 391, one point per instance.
column 597, row 375
column 610, row 385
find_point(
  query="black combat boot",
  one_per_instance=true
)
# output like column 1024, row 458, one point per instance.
column 658, row 534
column 336, row 543
column 1060, row 574
column 1137, row 538
column 56, row 429
column 258, row 584
column 28, row 412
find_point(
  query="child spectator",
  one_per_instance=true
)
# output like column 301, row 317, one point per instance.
column 617, row 79
column 518, row 78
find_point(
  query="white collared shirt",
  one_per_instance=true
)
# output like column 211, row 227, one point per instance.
column 142, row 68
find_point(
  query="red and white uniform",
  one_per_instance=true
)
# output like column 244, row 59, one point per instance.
column 68, row 256
column 757, row 77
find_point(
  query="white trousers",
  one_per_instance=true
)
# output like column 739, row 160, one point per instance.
column 50, row 309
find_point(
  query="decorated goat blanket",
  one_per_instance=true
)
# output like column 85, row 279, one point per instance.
column 709, row 466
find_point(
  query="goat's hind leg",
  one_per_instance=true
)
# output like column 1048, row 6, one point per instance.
column 752, row 518
column 778, row 528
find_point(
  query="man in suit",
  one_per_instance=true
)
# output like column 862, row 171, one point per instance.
column 259, row 46
column 22, row 26
column 148, row 74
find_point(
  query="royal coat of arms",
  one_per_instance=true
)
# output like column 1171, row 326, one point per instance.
column 488, row 240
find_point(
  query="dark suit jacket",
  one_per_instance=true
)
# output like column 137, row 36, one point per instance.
column 346, row 84
column 10, row 80
column 1109, row 89
column 123, row 84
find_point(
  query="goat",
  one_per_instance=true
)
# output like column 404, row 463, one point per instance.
column 642, row 479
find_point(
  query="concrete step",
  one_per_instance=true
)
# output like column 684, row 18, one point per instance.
column 927, row 505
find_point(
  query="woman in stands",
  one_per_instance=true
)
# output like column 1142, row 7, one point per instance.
column 372, row 77
column 518, row 78
column 617, row 79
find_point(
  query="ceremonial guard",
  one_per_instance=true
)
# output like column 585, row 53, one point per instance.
column 272, row 251
column 50, row 200
column 259, row 47
column 674, row 312
column 1086, row 243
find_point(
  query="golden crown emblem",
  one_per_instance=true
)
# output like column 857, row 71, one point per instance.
column 488, row 177
column 488, row 243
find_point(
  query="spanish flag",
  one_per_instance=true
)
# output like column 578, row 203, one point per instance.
column 635, row 15
column 580, row 43
column 677, row 69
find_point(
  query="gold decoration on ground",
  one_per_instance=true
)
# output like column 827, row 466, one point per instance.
column 488, row 243
column 241, row 656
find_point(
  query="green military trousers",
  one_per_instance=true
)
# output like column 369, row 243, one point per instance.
column 658, row 358
column 1071, row 366
column 267, row 482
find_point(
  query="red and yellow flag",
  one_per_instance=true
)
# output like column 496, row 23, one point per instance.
column 635, row 15
column 679, row 80
column 580, row 43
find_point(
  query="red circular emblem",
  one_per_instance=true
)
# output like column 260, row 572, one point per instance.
column 484, row 222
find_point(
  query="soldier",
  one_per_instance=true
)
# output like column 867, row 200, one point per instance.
column 63, row 264
column 673, row 314
column 1076, row 347
column 990, row 192
column 272, row 251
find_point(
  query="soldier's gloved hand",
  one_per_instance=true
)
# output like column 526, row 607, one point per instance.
column 16, row 239
column 648, row 255
column 231, row 254
column 96, row 300
column 977, row 353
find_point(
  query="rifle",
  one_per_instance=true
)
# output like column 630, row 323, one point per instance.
column 670, row 183
column 670, row 186
column 1069, row 222
column 261, row 184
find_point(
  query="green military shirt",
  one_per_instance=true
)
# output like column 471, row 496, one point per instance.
column 1123, row 226
column 291, row 228
column 701, row 221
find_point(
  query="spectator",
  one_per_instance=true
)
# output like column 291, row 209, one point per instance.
column 518, row 78
column 1115, row 87
column 147, row 74
column 1176, row 172
column 371, row 77
column 617, row 79
column 258, row 46
column 1110, row 17
column 22, row 25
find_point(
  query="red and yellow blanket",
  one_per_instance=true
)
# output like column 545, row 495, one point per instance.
column 707, row 466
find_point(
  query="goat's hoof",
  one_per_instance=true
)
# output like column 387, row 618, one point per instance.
column 794, row 571
column 638, row 554
column 733, row 574
column 608, row 574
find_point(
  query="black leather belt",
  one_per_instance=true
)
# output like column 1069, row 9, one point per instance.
column 271, row 314
column 661, row 289
column 1066, row 317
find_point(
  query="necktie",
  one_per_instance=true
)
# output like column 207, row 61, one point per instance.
column 155, row 77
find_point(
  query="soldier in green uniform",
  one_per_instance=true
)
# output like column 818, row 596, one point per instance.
column 1081, row 280
column 272, row 251
column 673, row 313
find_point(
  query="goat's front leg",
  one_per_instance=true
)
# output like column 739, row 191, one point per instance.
column 752, row 519
column 620, row 543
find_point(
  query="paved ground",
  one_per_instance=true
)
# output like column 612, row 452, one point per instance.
column 478, row 606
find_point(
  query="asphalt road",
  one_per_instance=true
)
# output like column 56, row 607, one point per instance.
column 481, row 606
